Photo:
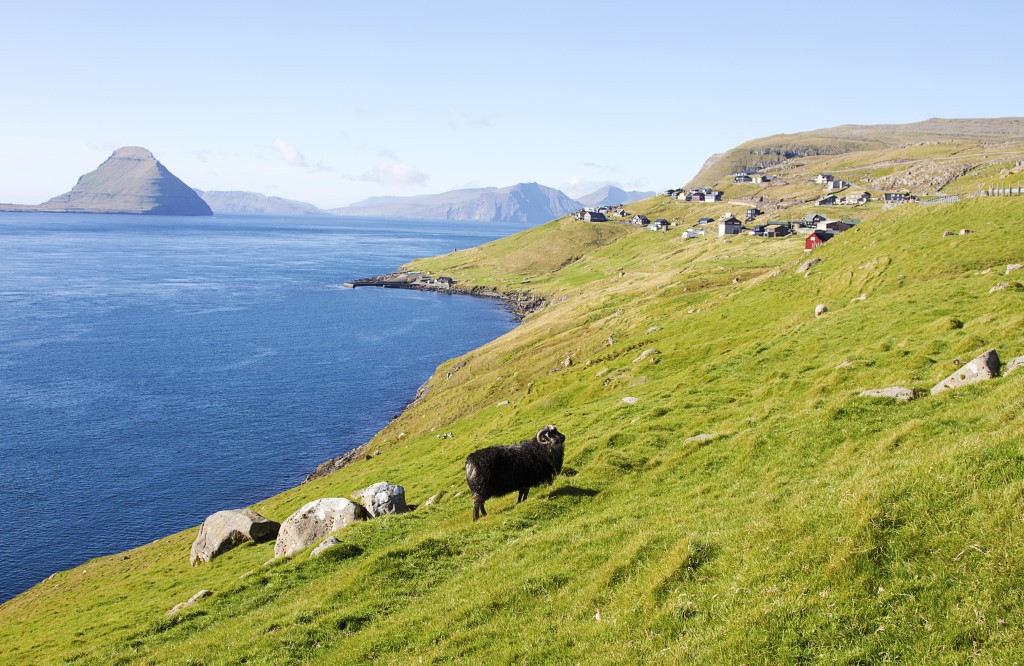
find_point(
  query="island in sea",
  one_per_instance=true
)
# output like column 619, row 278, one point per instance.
column 130, row 181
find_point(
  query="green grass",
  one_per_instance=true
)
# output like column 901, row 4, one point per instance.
column 816, row 527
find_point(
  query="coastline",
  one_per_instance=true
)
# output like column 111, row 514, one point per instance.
column 518, row 303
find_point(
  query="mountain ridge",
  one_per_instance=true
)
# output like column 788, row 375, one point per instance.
column 526, row 203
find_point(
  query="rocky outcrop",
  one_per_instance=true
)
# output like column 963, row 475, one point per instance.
column 224, row 530
column 314, row 521
column 984, row 367
column 893, row 392
column 383, row 499
column 131, row 180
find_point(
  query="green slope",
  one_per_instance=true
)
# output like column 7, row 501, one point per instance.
column 815, row 526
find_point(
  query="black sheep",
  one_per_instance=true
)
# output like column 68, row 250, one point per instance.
column 500, row 470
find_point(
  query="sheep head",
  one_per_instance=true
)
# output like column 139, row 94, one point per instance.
column 549, row 437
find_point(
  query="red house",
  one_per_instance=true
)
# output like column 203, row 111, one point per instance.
column 816, row 239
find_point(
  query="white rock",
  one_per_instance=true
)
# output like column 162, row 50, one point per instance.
column 984, row 367
column 647, row 353
column 630, row 400
column 383, row 498
column 329, row 542
column 894, row 392
column 314, row 521
column 703, row 437
column 224, row 530
column 1013, row 365
column 201, row 594
column 1013, row 267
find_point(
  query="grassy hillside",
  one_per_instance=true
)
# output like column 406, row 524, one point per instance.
column 811, row 525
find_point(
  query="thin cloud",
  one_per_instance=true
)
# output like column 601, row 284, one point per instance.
column 289, row 153
column 395, row 173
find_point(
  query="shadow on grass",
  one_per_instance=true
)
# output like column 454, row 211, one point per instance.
column 572, row 491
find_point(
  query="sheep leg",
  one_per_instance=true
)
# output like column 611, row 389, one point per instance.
column 478, row 508
column 522, row 495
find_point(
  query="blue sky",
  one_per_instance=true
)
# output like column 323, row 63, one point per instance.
column 330, row 103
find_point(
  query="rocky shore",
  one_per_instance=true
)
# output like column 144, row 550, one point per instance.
column 520, row 303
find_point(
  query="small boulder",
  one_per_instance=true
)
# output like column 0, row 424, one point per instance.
column 630, row 400
column 201, row 594
column 984, row 367
column 646, row 354
column 329, row 542
column 820, row 310
column 1013, row 267
column 894, row 392
column 700, row 439
column 807, row 265
column 224, row 530
column 1013, row 286
column 862, row 297
column 1013, row 365
column 382, row 499
column 314, row 521
column 653, row 329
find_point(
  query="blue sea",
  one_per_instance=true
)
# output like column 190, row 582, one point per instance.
column 154, row 370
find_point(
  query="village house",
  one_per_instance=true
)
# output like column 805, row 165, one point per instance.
column 753, row 212
column 777, row 230
column 705, row 220
column 622, row 213
column 898, row 197
column 595, row 217
column 660, row 224
column 834, row 226
column 445, row 282
column 758, row 178
column 834, row 185
column 823, row 178
column 856, row 199
column 691, row 233
column 812, row 219
column 830, row 200
column 815, row 239
column 640, row 220
column 742, row 178
column 729, row 225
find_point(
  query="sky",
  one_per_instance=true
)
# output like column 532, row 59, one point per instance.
column 334, row 102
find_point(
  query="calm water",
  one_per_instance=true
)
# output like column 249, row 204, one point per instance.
column 155, row 370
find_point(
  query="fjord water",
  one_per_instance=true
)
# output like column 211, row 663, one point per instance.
column 155, row 370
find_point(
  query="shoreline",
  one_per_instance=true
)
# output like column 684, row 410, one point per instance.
column 518, row 303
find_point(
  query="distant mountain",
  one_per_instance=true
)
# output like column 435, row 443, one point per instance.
column 253, row 203
column 528, row 203
column 611, row 196
column 131, row 180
